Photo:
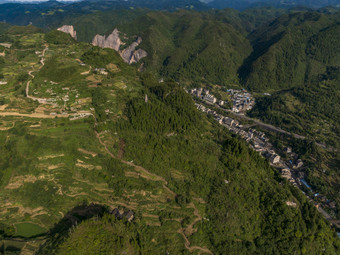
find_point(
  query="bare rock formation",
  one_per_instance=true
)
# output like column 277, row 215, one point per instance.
column 129, row 55
column 138, row 55
column 112, row 41
column 69, row 30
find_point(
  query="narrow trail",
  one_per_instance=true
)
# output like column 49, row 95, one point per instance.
column 155, row 177
column 192, row 248
column 42, row 61
column 40, row 100
column 189, row 230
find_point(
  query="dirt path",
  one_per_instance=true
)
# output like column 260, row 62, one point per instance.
column 121, row 148
column 42, row 61
column 40, row 100
column 7, row 128
column 86, row 72
column 34, row 115
column 192, row 248
column 189, row 230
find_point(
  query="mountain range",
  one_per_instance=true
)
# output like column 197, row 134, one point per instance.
column 104, row 150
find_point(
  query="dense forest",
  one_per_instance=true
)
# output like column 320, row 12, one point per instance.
column 288, row 52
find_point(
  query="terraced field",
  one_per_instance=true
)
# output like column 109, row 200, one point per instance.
column 49, row 122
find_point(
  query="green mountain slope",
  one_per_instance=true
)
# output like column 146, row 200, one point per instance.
column 189, row 46
column 312, row 110
column 244, row 4
column 50, row 14
column 77, row 141
column 185, row 45
column 286, row 53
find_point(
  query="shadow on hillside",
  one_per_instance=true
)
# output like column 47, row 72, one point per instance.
column 73, row 218
column 77, row 215
column 260, row 47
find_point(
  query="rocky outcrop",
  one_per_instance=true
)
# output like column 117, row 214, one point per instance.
column 112, row 41
column 137, row 55
column 129, row 55
column 69, row 30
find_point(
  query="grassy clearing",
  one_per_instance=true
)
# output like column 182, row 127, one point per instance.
column 28, row 230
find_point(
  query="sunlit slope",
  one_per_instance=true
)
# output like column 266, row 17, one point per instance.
column 83, row 133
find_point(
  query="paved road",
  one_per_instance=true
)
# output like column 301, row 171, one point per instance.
column 260, row 123
column 325, row 214
column 270, row 127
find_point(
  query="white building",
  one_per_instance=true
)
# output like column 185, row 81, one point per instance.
column 209, row 98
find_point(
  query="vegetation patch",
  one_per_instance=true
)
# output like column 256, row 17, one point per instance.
column 28, row 230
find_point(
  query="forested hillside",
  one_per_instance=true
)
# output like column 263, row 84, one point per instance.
column 122, row 139
column 50, row 14
column 83, row 133
column 263, row 49
column 244, row 4
column 188, row 46
column 226, row 174
column 288, row 52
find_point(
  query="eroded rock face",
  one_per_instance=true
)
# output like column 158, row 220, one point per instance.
column 137, row 55
column 112, row 41
column 69, row 30
column 129, row 55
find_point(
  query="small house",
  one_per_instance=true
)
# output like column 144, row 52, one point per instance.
column 274, row 159
column 129, row 215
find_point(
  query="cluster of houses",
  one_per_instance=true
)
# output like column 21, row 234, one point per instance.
column 54, row 97
column 101, row 71
column 205, row 95
column 55, row 100
column 242, row 100
column 258, row 141
column 290, row 169
column 81, row 115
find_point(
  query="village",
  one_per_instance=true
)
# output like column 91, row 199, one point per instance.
column 242, row 100
column 288, row 164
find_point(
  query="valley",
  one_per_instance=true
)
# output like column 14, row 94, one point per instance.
column 182, row 132
column 291, row 168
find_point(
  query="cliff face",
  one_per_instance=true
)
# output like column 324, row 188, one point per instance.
column 129, row 55
column 112, row 41
column 137, row 55
column 69, row 30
